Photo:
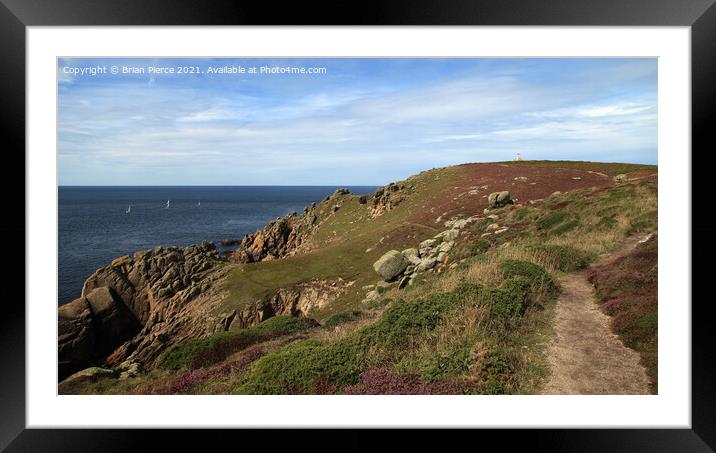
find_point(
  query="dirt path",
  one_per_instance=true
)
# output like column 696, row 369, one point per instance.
column 585, row 357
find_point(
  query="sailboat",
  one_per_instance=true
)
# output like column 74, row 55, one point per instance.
column 199, row 203
column 167, row 206
column 129, row 209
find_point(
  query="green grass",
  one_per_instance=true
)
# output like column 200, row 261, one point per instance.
column 553, row 219
column 197, row 353
column 340, row 247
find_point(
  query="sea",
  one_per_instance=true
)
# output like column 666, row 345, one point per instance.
column 94, row 226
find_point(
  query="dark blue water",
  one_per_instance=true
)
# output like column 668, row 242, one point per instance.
column 94, row 227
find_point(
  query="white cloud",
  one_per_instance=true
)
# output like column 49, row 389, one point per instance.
column 250, row 134
column 210, row 115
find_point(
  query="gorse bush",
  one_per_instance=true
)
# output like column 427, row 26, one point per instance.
column 198, row 353
column 480, row 246
column 343, row 317
column 297, row 368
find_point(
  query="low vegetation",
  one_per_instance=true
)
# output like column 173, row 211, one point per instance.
column 479, row 323
column 199, row 353
column 627, row 290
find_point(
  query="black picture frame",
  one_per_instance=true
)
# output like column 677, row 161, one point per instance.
column 16, row 15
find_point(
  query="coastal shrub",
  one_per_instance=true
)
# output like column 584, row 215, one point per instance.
column 198, row 353
column 530, row 279
column 480, row 246
column 564, row 257
column 313, row 366
column 627, row 290
column 343, row 317
column 378, row 303
column 495, row 372
column 524, row 269
column 442, row 366
column 298, row 368
column 382, row 381
column 469, row 249
column 508, row 302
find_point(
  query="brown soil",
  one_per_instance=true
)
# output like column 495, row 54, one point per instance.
column 585, row 357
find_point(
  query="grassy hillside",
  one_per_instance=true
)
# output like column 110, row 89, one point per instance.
column 478, row 323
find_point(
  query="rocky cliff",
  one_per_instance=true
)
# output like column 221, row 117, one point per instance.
column 287, row 235
column 137, row 307
column 291, row 234
column 132, row 307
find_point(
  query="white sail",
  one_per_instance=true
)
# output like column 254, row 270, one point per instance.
column 167, row 206
column 129, row 209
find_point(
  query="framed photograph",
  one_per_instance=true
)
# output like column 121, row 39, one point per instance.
column 250, row 224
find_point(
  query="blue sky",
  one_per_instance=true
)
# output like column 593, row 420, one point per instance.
column 365, row 121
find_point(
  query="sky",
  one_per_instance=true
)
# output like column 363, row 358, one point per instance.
column 343, row 121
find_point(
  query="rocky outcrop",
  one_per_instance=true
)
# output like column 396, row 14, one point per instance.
column 431, row 254
column 91, row 327
column 499, row 199
column 285, row 235
column 134, row 303
column 621, row 178
column 91, row 374
column 298, row 300
column 387, row 198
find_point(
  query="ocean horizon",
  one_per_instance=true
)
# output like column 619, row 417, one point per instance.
column 99, row 223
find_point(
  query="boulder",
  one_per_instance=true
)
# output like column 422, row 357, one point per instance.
column 91, row 374
column 621, row 178
column 446, row 246
column 450, row 235
column 390, row 265
column 499, row 199
column 426, row 246
column 129, row 370
column 412, row 255
column 426, row 264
